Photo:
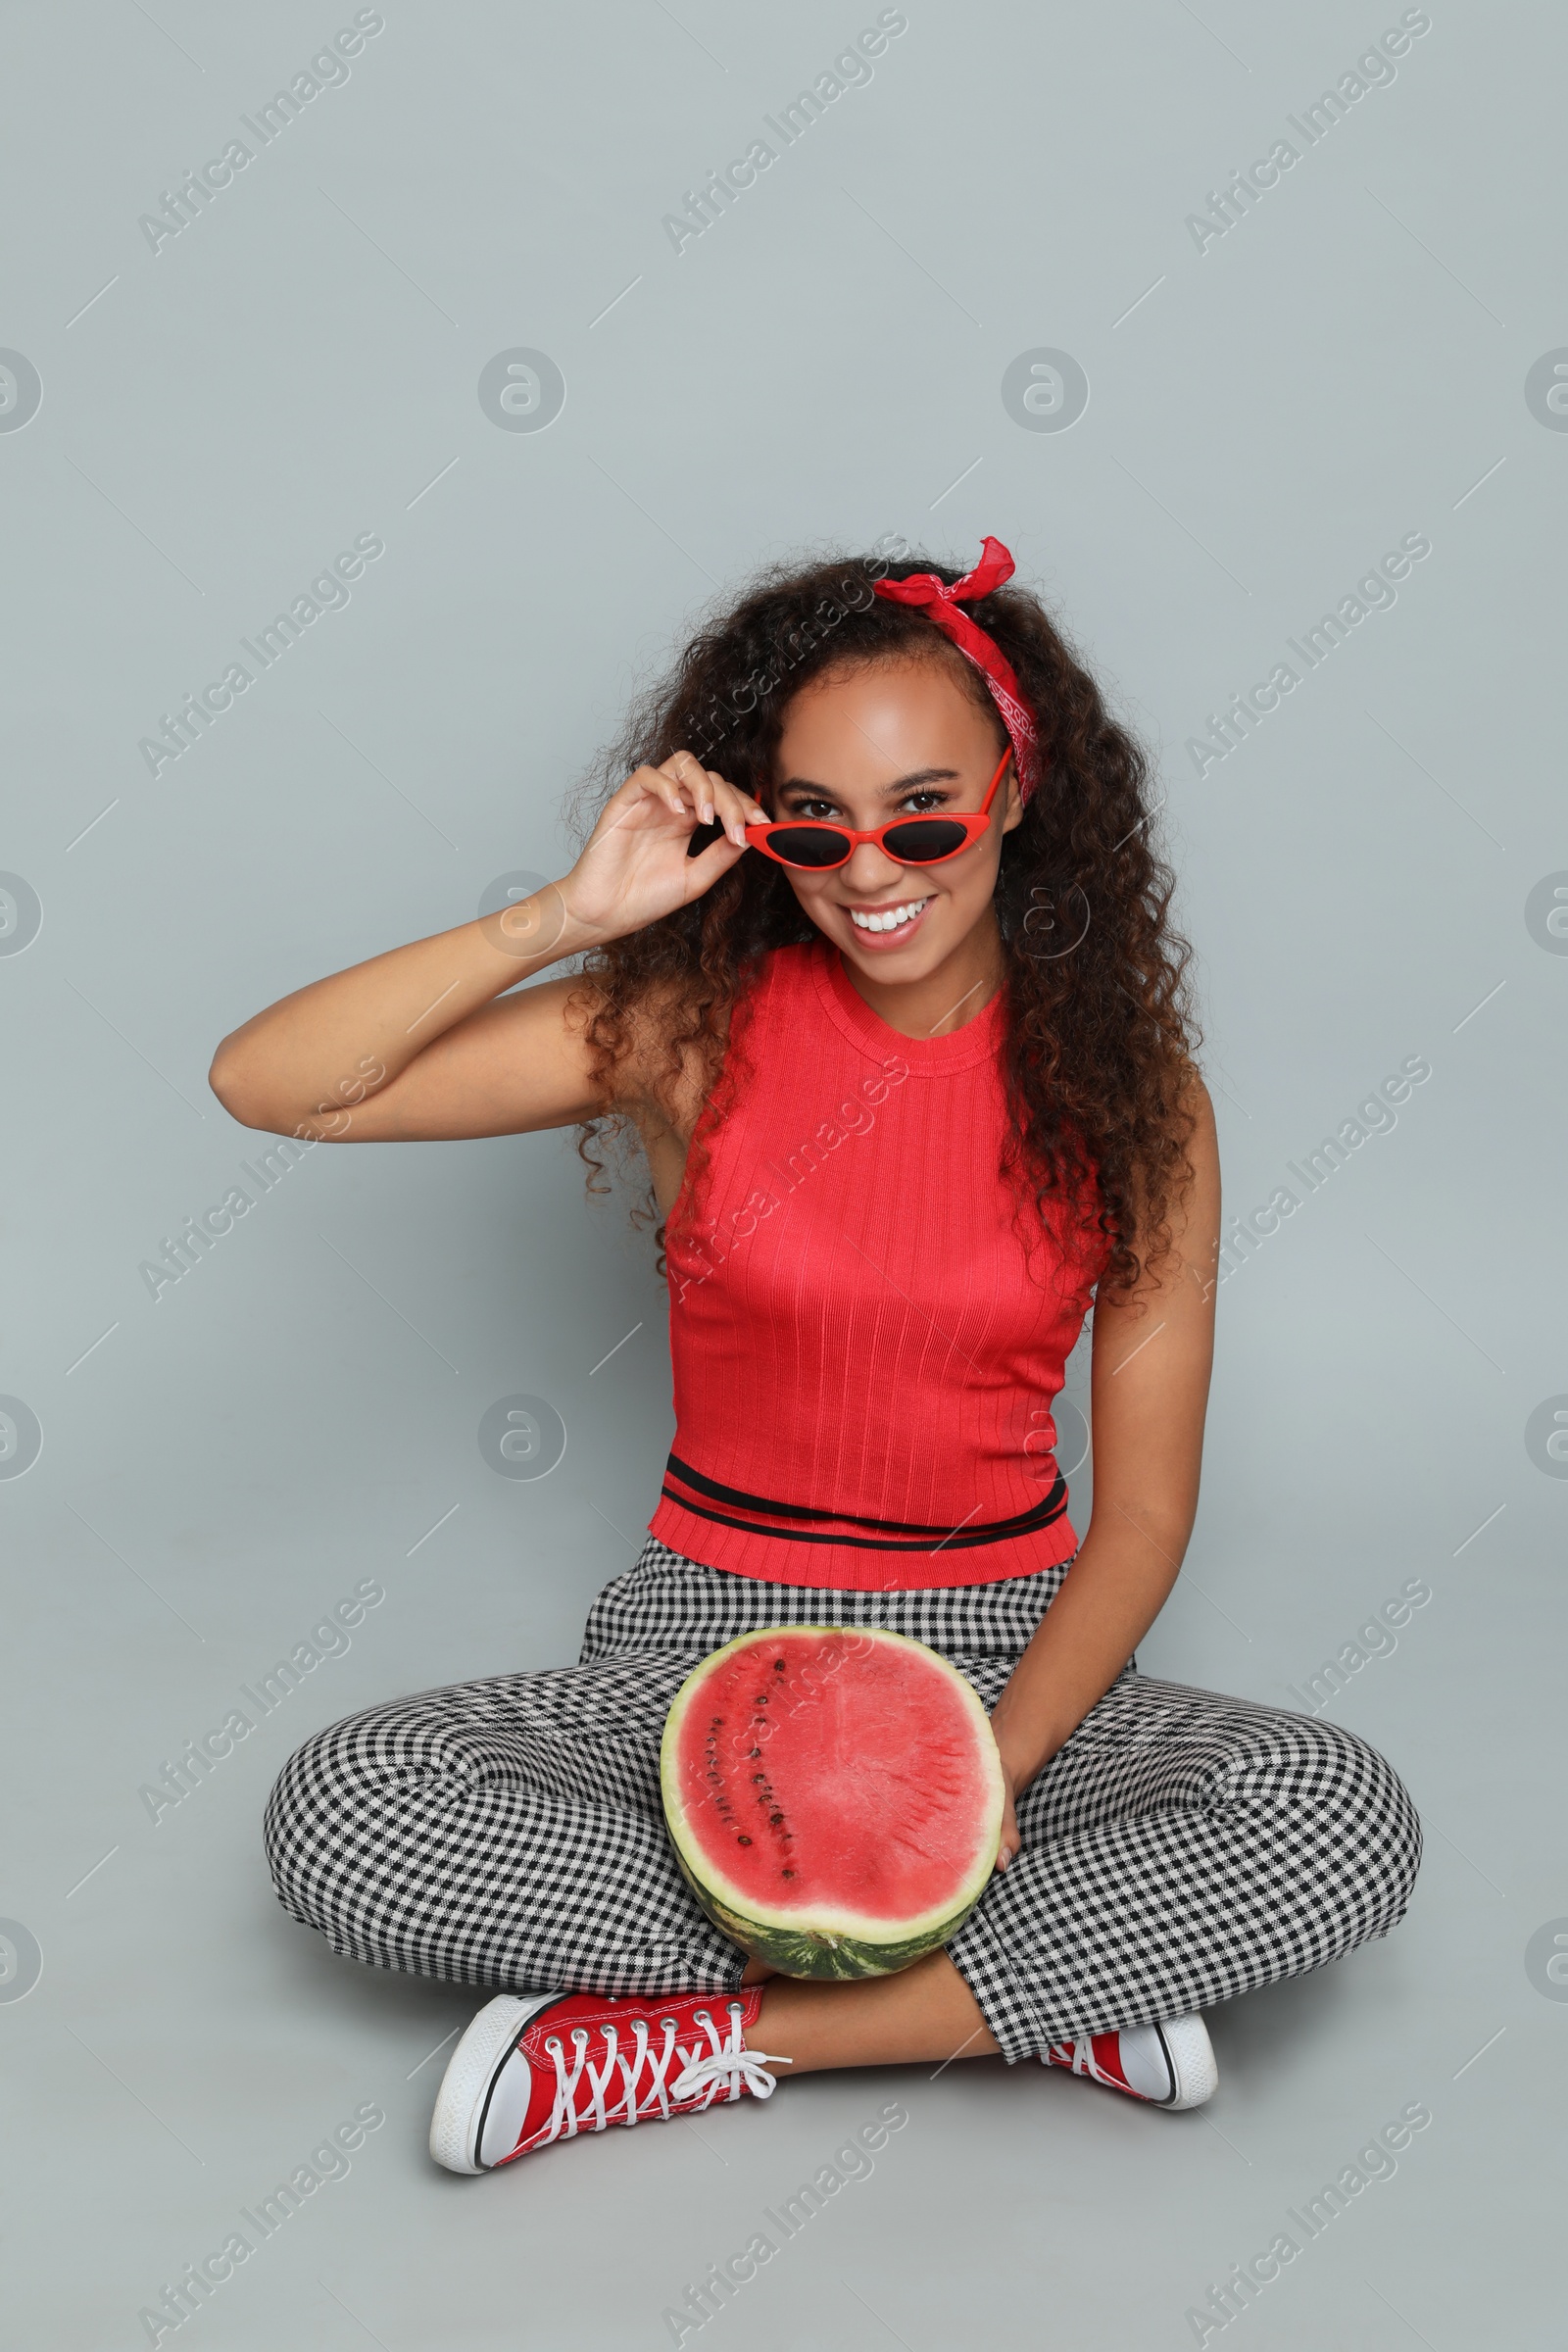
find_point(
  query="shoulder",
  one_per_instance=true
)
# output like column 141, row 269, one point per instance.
column 638, row 1039
column 657, row 1052
column 1189, row 1186
column 1202, row 1144
column 1190, row 1140
column 675, row 1006
column 1178, row 1171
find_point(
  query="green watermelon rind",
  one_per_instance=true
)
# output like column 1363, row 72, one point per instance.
column 791, row 1950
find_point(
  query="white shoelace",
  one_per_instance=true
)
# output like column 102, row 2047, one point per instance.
column 1079, row 2057
column 701, row 2078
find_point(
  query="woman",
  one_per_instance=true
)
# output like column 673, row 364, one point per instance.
column 888, row 996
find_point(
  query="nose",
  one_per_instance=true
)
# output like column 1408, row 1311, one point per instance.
column 870, row 869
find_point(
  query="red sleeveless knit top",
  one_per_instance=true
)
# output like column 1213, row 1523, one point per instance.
column 866, row 1340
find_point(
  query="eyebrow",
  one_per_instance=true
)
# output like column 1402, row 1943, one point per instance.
column 890, row 792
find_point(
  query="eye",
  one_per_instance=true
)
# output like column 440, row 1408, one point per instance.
column 922, row 802
column 824, row 812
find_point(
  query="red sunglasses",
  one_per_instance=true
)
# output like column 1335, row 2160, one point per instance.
column 809, row 843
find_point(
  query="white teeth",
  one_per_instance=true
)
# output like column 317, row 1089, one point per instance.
column 892, row 920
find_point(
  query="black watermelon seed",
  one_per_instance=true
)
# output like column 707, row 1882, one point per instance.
column 743, row 1842
column 783, row 1873
column 778, row 1665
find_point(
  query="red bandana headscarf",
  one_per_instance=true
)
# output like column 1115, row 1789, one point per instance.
column 941, row 602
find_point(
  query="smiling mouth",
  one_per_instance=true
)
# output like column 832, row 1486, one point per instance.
column 886, row 919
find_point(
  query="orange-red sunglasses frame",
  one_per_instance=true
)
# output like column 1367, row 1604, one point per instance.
column 973, row 822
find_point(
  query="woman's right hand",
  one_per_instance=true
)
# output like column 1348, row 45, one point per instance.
column 634, row 867
column 452, row 1061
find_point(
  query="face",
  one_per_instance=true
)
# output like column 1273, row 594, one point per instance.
column 862, row 748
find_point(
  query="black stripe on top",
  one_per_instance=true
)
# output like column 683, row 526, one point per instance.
column 895, row 1535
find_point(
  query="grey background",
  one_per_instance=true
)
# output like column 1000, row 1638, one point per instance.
column 301, row 1411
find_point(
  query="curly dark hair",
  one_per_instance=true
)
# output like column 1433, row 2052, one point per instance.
column 1099, row 1028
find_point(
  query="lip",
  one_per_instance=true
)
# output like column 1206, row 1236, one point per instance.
column 883, row 943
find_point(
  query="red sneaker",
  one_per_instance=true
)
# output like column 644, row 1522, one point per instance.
column 1168, row 2065
column 533, row 2068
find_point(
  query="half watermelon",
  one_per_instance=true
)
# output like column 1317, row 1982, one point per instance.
column 834, row 1795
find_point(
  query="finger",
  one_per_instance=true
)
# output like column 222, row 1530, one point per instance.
column 735, row 810
column 690, row 776
column 678, row 779
column 679, row 799
column 709, row 785
column 708, row 791
column 745, row 801
column 645, row 785
column 713, row 797
column 710, row 865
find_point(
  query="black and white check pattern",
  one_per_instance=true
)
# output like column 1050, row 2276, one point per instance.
column 1180, row 1848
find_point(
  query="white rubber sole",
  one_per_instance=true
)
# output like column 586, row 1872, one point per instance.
column 471, row 2068
column 1169, row 2065
column 1191, row 2057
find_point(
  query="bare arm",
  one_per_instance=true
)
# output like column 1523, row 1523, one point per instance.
column 1150, row 1372
column 413, row 1046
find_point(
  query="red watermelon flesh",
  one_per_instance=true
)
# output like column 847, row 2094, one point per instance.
column 834, row 1795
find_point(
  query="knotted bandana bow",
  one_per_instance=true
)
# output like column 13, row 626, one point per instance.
column 940, row 605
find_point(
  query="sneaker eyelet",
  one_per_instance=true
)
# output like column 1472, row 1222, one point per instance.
column 703, row 2017
column 553, row 2042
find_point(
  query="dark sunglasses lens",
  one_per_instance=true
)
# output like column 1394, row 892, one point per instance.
column 809, row 845
column 920, row 840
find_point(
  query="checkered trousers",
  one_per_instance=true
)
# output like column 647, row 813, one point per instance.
column 507, row 1833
